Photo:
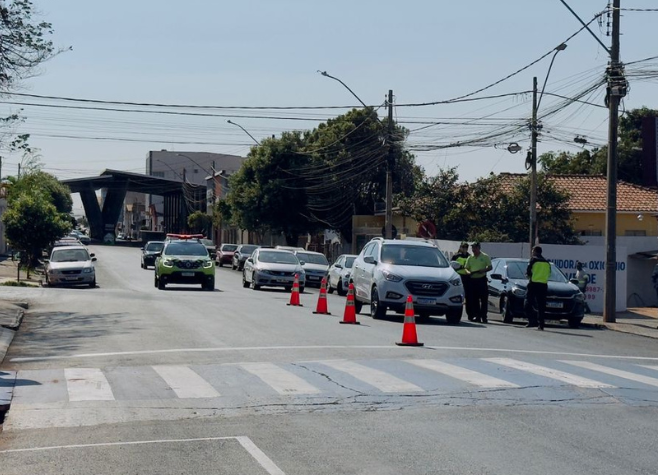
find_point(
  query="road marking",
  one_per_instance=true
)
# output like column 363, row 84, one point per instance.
column 324, row 347
column 463, row 374
column 374, row 377
column 615, row 372
column 87, row 384
column 655, row 368
column 185, row 382
column 258, row 455
column 279, row 379
column 549, row 373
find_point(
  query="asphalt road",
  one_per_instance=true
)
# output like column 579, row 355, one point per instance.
column 125, row 378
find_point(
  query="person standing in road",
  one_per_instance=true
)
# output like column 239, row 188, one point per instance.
column 654, row 278
column 477, row 267
column 461, row 257
column 538, row 272
column 583, row 279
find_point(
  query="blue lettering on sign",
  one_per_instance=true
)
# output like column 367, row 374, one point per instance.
column 592, row 279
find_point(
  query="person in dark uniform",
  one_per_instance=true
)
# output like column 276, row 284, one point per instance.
column 477, row 267
column 538, row 272
column 461, row 257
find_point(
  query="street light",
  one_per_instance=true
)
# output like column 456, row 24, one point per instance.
column 195, row 162
column 169, row 166
column 533, row 159
column 244, row 130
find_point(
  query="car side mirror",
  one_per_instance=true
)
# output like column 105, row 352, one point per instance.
column 249, row 259
column 455, row 265
column 92, row 254
column 302, row 263
column 158, row 254
column 496, row 277
column 369, row 260
column 93, row 259
column 141, row 248
column 338, row 266
column 574, row 281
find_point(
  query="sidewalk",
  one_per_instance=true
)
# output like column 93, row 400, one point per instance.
column 642, row 321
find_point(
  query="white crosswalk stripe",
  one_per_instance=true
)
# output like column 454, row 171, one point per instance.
column 279, row 379
column 87, row 384
column 568, row 378
column 185, row 382
column 383, row 381
column 463, row 374
column 655, row 368
column 615, row 372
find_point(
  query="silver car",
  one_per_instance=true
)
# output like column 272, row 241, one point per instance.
column 272, row 268
column 340, row 274
column 71, row 265
column 315, row 265
column 387, row 271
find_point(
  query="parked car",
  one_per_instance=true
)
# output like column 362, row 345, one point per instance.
column 70, row 265
column 240, row 255
column 80, row 236
column 272, row 268
column 184, row 260
column 339, row 274
column 210, row 246
column 225, row 254
column 387, row 271
column 315, row 265
column 508, row 285
column 149, row 253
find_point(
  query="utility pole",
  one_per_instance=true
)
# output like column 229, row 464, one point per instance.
column 389, row 170
column 533, row 167
column 616, row 90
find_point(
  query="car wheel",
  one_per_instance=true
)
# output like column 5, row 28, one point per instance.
column 161, row 284
column 575, row 322
column 233, row 266
column 253, row 284
column 210, row 284
column 287, row 288
column 377, row 309
column 505, row 310
column 221, row 263
column 341, row 289
column 453, row 317
column 330, row 289
column 245, row 284
column 141, row 264
column 423, row 316
column 301, row 289
column 155, row 280
column 358, row 305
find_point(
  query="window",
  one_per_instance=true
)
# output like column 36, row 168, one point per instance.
column 591, row 232
column 635, row 232
column 158, row 174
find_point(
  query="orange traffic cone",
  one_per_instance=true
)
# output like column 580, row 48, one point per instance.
column 350, row 312
column 409, row 337
column 294, row 296
column 322, row 299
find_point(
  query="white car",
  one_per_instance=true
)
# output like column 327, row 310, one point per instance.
column 340, row 274
column 272, row 268
column 71, row 265
column 315, row 265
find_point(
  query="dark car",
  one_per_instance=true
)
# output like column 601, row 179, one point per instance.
column 240, row 255
column 211, row 247
column 225, row 254
column 150, row 252
column 508, row 285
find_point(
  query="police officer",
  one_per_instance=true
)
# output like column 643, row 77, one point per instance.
column 461, row 257
column 538, row 272
column 477, row 267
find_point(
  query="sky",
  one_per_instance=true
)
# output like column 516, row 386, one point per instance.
column 267, row 53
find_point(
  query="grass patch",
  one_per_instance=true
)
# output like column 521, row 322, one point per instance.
column 13, row 283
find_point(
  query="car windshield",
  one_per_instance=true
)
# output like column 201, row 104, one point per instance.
column 422, row 256
column 278, row 257
column 248, row 249
column 69, row 255
column 229, row 247
column 312, row 258
column 516, row 270
column 348, row 262
column 185, row 249
column 207, row 242
column 155, row 246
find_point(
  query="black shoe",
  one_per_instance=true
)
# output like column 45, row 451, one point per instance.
column 484, row 320
column 471, row 319
column 540, row 328
column 477, row 320
column 531, row 325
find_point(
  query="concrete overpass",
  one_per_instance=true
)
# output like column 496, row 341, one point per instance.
column 180, row 199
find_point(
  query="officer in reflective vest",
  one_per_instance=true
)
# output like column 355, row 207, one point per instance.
column 461, row 258
column 538, row 272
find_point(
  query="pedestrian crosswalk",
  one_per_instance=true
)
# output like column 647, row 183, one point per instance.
column 323, row 378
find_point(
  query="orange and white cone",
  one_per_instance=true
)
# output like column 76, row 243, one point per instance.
column 409, row 337
column 350, row 311
column 294, row 295
column 322, row 308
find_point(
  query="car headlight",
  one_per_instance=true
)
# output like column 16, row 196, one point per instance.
column 518, row 291
column 207, row 264
column 87, row 270
column 456, row 281
column 391, row 277
column 347, row 275
column 168, row 263
column 579, row 296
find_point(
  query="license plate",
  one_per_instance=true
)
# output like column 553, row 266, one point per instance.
column 422, row 301
column 71, row 278
column 283, row 281
column 312, row 277
column 187, row 274
column 554, row 304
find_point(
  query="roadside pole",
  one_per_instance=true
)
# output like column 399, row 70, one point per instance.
column 390, row 162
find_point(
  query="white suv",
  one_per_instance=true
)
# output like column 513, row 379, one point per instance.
column 387, row 271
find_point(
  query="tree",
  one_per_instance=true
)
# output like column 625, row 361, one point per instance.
column 199, row 222
column 264, row 194
column 56, row 193
column 32, row 223
column 629, row 160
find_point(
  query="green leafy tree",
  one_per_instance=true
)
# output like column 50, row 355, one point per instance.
column 199, row 222
column 56, row 193
column 32, row 223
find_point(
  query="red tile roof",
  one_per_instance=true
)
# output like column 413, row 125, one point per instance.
column 589, row 193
